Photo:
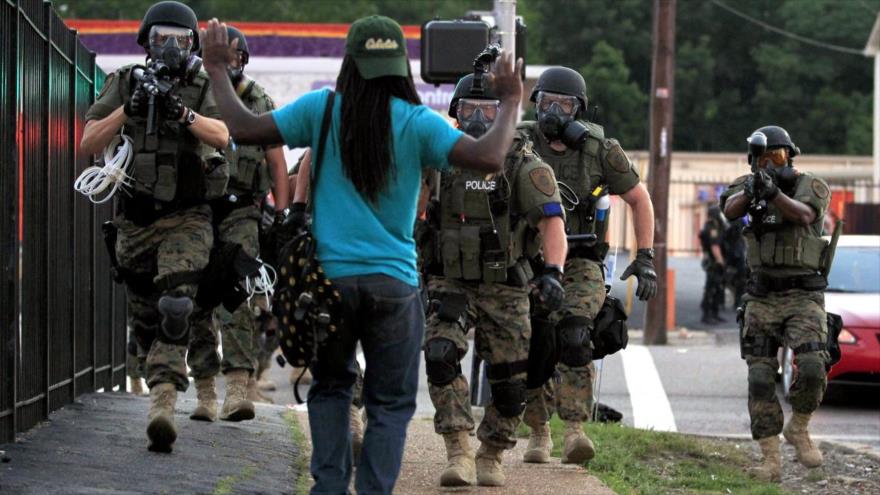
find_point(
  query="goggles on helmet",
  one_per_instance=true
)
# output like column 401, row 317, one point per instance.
column 160, row 34
column 467, row 107
column 778, row 156
column 566, row 105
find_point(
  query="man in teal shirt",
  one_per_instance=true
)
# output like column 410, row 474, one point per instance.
column 365, row 200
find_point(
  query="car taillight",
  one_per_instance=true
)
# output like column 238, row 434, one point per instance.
column 846, row 337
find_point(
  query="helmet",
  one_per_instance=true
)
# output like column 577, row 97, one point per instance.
column 463, row 90
column 173, row 13
column 777, row 137
column 564, row 81
column 234, row 34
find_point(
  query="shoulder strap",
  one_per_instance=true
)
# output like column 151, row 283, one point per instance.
column 319, row 153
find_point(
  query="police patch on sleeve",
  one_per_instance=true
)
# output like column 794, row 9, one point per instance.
column 617, row 159
column 820, row 188
column 543, row 181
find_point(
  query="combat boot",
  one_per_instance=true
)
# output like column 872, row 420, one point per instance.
column 577, row 448
column 540, row 445
column 137, row 386
column 489, row 469
column 356, row 423
column 460, row 468
column 265, row 382
column 770, row 468
column 236, row 406
column 206, row 409
column 254, row 394
column 795, row 432
column 160, row 429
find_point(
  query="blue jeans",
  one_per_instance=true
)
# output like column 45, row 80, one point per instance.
column 386, row 315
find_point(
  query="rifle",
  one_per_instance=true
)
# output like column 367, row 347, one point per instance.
column 157, row 82
column 757, row 147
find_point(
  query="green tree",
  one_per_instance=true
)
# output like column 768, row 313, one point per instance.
column 621, row 101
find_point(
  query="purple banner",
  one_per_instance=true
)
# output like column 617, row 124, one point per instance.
column 435, row 97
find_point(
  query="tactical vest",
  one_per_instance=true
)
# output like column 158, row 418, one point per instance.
column 774, row 243
column 248, row 170
column 172, row 164
column 480, row 237
column 580, row 176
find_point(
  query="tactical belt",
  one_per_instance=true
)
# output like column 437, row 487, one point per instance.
column 593, row 253
column 143, row 210
column 810, row 347
column 762, row 284
column 222, row 207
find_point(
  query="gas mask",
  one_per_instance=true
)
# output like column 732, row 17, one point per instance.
column 236, row 73
column 171, row 45
column 476, row 116
column 556, row 119
column 778, row 167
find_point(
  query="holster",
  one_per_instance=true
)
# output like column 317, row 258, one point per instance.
column 610, row 332
column 754, row 346
column 543, row 352
column 220, row 281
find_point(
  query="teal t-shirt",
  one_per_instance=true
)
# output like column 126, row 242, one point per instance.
column 354, row 236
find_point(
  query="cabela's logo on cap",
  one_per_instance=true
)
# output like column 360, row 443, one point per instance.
column 380, row 44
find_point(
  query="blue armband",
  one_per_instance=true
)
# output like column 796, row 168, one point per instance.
column 552, row 209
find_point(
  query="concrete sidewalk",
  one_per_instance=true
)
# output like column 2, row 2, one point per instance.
column 98, row 446
column 425, row 457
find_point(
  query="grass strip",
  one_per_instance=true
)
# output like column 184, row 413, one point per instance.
column 302, row 460
column 634, row 461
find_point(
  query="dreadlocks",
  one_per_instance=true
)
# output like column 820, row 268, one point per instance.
column 365, row 128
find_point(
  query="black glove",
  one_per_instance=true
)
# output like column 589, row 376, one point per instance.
column 643, row 268
column 173, row 108
column 765, row 187
column 749, row 187
column 136, row 106
column 547, row 291
column 289, row 226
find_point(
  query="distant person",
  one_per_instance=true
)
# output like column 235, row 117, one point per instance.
column 711, row 241
column 785, row 302
column 362, row 219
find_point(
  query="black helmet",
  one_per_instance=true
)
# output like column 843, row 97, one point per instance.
column 172, row 13
column 234, row 34
column 777, row 137
column 463, row 90
column 564, row 81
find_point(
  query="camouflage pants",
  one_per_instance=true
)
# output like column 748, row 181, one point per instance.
column 178, row 243
column 238, row 329
column 793, row 318
column 500, row 314
column 135, row 361
column 572, row 396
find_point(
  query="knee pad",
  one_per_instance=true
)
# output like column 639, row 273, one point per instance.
column 175, row 311
column 762, row 382
column 574, row 341
column 509, row 397
column 811, row 369
column 441, row 361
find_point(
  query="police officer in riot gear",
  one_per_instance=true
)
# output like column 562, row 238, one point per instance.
column 253, row 169
column 164, row 232
column 481, row 278
column 784, row 303
column 588, row 166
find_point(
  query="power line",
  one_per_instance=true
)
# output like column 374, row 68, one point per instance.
column 802, row 39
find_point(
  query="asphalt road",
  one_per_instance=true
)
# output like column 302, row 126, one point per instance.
column 704, row 383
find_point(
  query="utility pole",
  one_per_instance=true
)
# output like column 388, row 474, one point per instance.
column 662, row 92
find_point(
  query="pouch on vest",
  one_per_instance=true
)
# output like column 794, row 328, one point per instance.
column 767, row 247
column 216, row 175
column 144, row 172
column 813, row 250
column 471, row 265
column 166, row 177
column 494, row 258
column 244, row 176
column 450, row 240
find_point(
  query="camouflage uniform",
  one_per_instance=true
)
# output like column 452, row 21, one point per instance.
column 172, row 243
column 498, row 308
column 236, row 217
column 780, row 252
column 600, row 163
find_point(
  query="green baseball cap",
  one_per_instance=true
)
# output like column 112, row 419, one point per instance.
column 378, row 47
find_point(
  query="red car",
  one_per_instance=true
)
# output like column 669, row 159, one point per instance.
column 853, row 293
